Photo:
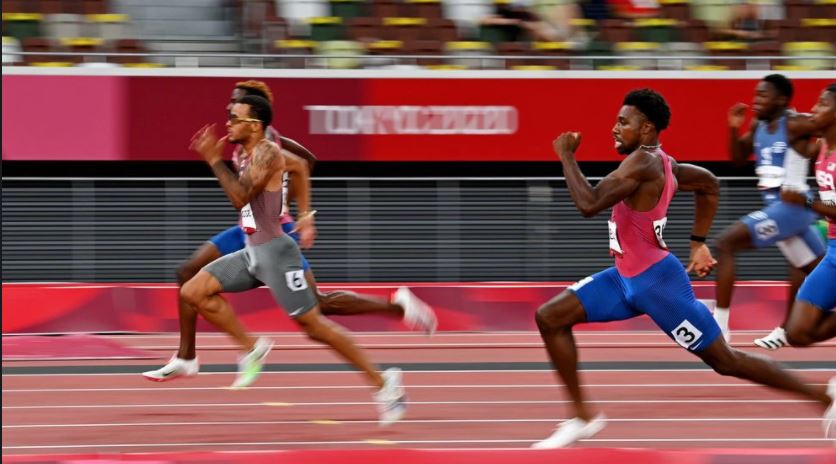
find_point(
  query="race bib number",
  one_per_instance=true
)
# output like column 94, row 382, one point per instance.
column 767, row 229
column 686, row 334
column 659, row 229
column 285, row 182
column 296, row 280
column 615, row 247
column 828, row 197
column 247, row 219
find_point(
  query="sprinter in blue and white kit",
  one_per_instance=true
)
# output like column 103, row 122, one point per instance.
column 777, row 137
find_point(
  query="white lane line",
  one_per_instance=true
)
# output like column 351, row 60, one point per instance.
column 410, row 372
column 409, row 421
column 365, row 403
column 409, row 386
column 419, row 442
column 394, row 334
column 401, row 346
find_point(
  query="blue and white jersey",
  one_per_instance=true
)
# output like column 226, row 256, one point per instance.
column 777, row 164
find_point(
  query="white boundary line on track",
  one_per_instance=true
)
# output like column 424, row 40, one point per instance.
column 365, row 387
column 375, row 286
column 420, row 442
column 395, row 345
column 411, row 403
column 408, row 421
column 299, row 335
column 410, row 372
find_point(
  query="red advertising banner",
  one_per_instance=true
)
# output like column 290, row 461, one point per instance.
column 364, row 117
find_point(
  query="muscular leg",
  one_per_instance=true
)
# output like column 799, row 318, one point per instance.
column 202, row 293
column 328, row 332
column 797, row 276
column 344, row 303
column 204, row 255
column 796, row 279
column 808, row 324
column 555, row 320
column 759, row 369
column 733, row 240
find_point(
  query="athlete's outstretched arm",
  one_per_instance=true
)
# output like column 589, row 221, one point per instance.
column 825, row 209
column 740, row 146
column 706, row 190
column 617, row 186
column 299, row 150
column 267, row 161
column 801, row 125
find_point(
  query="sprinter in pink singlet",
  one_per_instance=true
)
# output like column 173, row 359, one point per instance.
column 646, row 278
column 813, row 316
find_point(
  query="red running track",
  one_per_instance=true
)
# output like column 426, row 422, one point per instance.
column 690, row 409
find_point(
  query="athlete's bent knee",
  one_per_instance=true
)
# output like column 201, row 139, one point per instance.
column 798, row 338
column 723, row 245
column 553, row 315
column 191, row 293
column 185, row 271
column 733, row 239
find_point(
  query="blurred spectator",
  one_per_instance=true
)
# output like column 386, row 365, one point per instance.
column 595, row 9
column 517, row 22
column 559, row 15
column 537, row 20
column 745, row 24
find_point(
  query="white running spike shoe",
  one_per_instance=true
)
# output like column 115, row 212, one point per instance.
column 250, row 365
column 571, row 431
column 175, row 368
column 391, row 399
column 776, row 339
column 416, row 313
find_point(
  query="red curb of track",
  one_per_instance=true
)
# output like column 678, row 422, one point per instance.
column 459, row 456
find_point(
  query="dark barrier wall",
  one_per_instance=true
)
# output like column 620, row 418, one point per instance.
column 445, row 230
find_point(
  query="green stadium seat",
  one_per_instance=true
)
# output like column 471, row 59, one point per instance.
column 22, row 25
column 326, row 28
column 348, row 8
column 660, row 30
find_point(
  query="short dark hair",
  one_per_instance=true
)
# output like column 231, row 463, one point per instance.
column 256, row 88
column 652, row 105
column 782, row 85
column 259, row 108
column 831, row 88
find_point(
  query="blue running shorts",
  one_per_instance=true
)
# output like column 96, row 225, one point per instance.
column 663, row 292
column 819, row 288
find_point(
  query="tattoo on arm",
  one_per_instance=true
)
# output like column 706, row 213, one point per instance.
column 266, row 160
column 229, row 181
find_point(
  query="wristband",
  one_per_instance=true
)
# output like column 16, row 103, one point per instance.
column 698, row 238
column 306, row 215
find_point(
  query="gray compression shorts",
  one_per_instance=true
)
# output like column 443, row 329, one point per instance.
column 277, row 263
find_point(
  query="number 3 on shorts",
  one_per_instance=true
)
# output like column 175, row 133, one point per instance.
column 296, row 280
column 686, row 334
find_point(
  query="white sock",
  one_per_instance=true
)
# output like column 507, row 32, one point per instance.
column 721, row 315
